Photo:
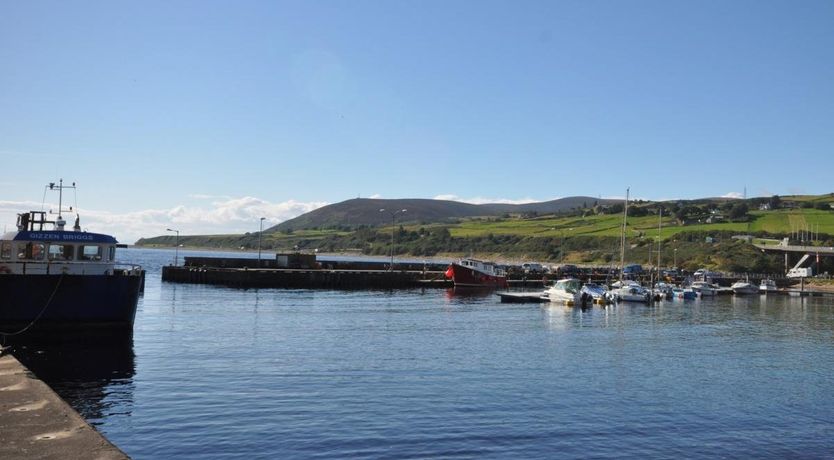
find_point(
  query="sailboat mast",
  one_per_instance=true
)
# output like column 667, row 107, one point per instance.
column 623, row 237
column 659, row 230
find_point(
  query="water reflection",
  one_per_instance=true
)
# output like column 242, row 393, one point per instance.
column 463, row 294
column 95, row 378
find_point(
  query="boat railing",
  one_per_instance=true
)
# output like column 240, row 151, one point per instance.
column 127, row 268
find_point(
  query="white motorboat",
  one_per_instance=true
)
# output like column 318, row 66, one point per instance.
column 566, row 291
column 598, row 293
column 704, row 288
column 744, row 288
column 767, row 285
column 630, row 291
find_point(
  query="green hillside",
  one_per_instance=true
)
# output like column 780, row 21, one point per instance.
column 586, row 235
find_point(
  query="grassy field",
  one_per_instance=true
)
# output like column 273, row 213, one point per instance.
column 774, row 222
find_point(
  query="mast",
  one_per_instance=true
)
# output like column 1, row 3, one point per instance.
column 659, row 230
column 623, row 236
column 60, row 222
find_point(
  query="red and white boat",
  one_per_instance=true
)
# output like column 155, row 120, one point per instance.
column 476, row 273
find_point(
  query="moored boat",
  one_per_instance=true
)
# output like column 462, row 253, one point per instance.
column 476, row 273
column 663, row 290
column 56, row 280
column 744, row 288
column 705, row 289
column 684, row 294
column 630, row 291
column 767, row 285
column 599, row 294
column 567, row 291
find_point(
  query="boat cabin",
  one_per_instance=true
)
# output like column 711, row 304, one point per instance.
column 483, row 267
column 33, row 250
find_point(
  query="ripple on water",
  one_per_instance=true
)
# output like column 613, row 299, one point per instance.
column 216, row 372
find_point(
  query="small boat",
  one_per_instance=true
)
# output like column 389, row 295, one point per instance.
column 662, row 290
column 56, row 280
column 630, row 291
column 566, row 291
column 704, row 288
column 476, row 273
column 744, row 288
column 521, row 297
column 684, row 294
column 597, row 292
column 767, row 285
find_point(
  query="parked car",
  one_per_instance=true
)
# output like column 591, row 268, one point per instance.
column 531, row 268
column 633, row 269
column 568, row 270
column 703, row 274
column 670, row 273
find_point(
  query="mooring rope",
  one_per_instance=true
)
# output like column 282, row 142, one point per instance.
column 43, row 310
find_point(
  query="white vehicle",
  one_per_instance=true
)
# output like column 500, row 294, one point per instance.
column 800, row 272
column 532, row 268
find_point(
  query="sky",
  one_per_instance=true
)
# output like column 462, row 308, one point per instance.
column 204, row 116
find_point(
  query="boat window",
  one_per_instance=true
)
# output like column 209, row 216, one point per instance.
column 6, row 250
column 112, row 253
column 90, row 253
column 30, row 251
column 61, row 251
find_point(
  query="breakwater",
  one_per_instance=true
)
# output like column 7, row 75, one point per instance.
column 327, row 275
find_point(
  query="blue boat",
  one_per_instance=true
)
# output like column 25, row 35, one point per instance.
column 55, row 280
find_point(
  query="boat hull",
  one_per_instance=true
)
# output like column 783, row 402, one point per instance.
column 563, row 297
column 66, row 302
column 468, row 277
column 745, row 289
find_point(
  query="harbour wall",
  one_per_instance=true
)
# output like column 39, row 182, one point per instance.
column 325, row 274
column 36, row 423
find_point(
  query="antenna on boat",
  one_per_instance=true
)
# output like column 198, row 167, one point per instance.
column 60, row 222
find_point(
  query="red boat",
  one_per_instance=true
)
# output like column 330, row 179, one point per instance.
column 476, row 273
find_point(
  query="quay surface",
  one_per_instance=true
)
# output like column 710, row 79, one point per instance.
column 36, row 423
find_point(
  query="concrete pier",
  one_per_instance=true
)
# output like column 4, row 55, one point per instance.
column 36, row 423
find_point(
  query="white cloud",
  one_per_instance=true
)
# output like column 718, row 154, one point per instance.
column 482, row 200
column 204, row 196
column 231, row 215
column 375, row 196
column 732, row 195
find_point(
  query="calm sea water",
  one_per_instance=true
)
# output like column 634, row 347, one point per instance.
column 215, row 372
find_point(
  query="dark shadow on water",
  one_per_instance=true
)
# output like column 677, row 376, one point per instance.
column 93, row 374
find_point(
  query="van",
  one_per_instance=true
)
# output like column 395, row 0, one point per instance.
column 532, row 268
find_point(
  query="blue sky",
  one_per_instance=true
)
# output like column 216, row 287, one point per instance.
column 206, row 115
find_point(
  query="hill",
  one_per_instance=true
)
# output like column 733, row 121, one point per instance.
column 359, row 212
column 694, row 233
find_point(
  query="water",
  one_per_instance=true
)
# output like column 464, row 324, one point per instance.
column 215, row 372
